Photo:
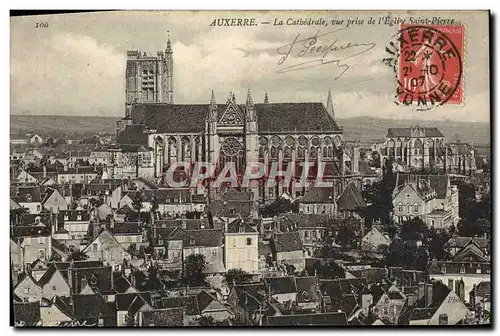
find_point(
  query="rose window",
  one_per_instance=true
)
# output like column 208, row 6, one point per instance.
column 315, row 141
column 231, row 146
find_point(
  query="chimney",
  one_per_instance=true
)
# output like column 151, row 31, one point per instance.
column 112, row 222
column 428, row 294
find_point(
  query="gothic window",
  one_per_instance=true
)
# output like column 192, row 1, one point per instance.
column 263, row 141
column 172, row 147
column 415, row 208
column 313, row 152
column 231, row 146
column 301, row 152
column 262, row 150
column 197, row 149
column 408, row 208
column 185, row 149
column 327, row 141
column 289, row 141
column 418, row 145
column 302, row 141
column 287, row 153
column 328, row 152
column 276, row 141
column 274, row 152
column 337, row 141
column 315, row 141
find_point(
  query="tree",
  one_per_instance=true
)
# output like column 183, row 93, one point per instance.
column 137, row 204
column 468, row 228
column 78, row 256
column 132, row 249
column 346, row 236
column 194, row 266
column 281, row 205
column 438, row 239
column 237, row 276
column 55, row 257
column 209, row 321
column 413, row 229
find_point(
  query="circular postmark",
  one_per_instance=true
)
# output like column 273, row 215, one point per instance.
column 427, row 66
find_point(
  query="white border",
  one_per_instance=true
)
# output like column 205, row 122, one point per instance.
column 190, row 4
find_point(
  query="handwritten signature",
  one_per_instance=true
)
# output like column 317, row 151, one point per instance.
column 311, row 46
column 84, row 323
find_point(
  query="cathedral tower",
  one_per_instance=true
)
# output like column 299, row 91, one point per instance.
column 148, row 78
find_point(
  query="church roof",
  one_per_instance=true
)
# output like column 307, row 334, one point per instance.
column 406, row 132
column 351, row 198
column 277, row 117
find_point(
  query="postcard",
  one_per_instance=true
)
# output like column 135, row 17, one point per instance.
column 250, row 168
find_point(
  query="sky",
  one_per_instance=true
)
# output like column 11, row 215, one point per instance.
column 76, row 65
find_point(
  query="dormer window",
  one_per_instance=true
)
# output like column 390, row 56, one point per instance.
column 192, row 241
column 462, row 269
column 306, row 296
column 443, row 268
column 28, row 198
column 478, row 269
column 66, row 217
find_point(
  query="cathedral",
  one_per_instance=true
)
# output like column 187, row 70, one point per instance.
column 419, row 148
column 224, row 130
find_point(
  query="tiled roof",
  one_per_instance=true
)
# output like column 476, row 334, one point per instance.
column 278, row 117
column 483, row 289
column 26, row 314
column 305, row 220
column 133, row 135
column 90, row 306
column 351, row 199
column 306, row 285
column 406, row 132
column 240, row 226
column 188, row 302
column 124, row 300
column 170, row 317
column 231, row 208
column 287, row 241
column 325, row 319
column 205, row 237
column 101, row 275
column 26, row 192
column 281, row 285
column 318, row 195
column 437, row 182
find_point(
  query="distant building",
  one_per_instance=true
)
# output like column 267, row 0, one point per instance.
column 432, row 198
column 241, row 247
column 426, row 147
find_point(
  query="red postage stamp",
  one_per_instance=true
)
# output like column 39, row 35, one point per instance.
column 430, row 65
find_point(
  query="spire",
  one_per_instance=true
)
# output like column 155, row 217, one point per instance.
column 266, row 99
column 250, row 107
column 230, row 98
column 234, row 99
column 249, row 98
column 329, row 105
column 169, row 44
column 213, row 108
